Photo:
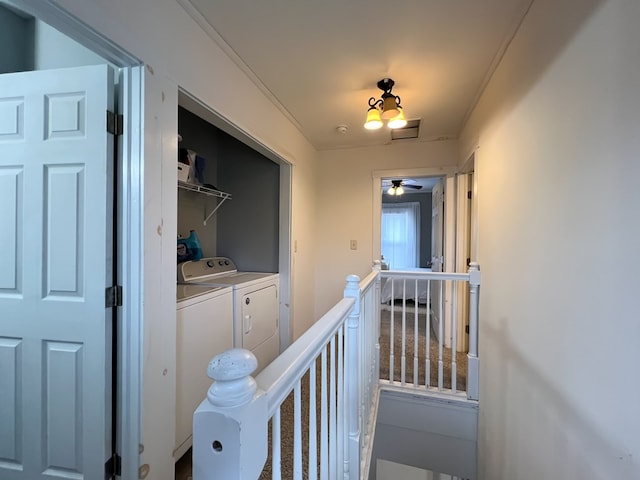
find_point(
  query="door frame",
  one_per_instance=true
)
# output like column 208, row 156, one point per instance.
column 129, row 222
column 376, row 192
column 448, row 174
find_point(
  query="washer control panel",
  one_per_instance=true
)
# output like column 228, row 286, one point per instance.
column 205, row 269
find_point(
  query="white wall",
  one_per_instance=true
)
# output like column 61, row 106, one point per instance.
column 345, row 207
column 558, row 171
column 178, row 53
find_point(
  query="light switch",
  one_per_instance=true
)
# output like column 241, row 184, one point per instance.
column 354, row 244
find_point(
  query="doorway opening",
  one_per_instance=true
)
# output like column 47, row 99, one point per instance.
column 407, row 229
column 450, row 221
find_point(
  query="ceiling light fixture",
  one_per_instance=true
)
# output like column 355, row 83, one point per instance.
column 396, row 188
column 387, row 107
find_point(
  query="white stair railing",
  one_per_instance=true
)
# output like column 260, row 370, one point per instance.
column 335, row 365
column 424, row 322
column 230, row 427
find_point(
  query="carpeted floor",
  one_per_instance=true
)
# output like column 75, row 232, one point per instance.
column 385, row 322
column 183, row 467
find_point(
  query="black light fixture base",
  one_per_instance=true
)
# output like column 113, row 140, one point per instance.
column 386, row 84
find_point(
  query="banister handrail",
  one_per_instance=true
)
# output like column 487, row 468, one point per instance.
column 278, row 377
column 368, row 281
column 423, row 275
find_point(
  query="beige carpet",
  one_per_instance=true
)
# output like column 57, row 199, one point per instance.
column 461, row 357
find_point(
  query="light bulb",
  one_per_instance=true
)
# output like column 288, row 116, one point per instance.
column 399, row 120
column 373, row 119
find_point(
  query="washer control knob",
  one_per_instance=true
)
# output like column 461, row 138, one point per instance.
column 210, row 263
column 226, row 262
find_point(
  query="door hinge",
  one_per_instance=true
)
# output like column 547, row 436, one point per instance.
column 466, row 329
column 113, row 296
column 469, row 194
column 115, row 123
column 113, row 467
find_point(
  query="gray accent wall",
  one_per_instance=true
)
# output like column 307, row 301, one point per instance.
column 425, row 220
column 248, row 228
column 30, row 44
column 16, row 34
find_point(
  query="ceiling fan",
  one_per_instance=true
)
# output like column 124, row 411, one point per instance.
column 396, row 187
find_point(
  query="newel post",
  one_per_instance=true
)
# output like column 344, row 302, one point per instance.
column 473, row 362
column 230, row 425
column 352, row 449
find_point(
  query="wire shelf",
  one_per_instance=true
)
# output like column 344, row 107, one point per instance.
column 206, row 191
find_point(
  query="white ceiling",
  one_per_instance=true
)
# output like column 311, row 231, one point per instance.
column 320, row 60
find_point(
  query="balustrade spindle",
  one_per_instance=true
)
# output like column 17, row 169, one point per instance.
column 276, row 447
column 427, row 366
column 297, row 432
column 332, row 408
column 440, row 333
column 403, row 358
column 324, row 419
column 392, row 321
column 415, row 337
column 313, row 452
column 454, row 335
column 340, row 403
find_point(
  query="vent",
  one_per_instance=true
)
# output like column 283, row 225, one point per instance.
column 410, row 130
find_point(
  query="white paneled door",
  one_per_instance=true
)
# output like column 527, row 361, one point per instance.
column 56, row 184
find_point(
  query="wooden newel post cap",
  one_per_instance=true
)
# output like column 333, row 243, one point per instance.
column 233, row 384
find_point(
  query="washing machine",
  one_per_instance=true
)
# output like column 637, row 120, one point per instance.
column 255, row 303
column 204, row 328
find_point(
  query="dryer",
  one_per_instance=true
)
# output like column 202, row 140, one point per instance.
column 255, row 303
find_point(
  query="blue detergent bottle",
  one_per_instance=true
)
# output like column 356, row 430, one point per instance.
column 193, row 246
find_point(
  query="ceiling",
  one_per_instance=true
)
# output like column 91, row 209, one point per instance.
column 319, row 61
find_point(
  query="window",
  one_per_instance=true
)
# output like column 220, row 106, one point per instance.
column 401, row 234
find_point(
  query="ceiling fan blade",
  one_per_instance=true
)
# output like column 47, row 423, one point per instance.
column 417, row 187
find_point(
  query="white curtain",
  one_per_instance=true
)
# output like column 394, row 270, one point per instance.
column 401, row 234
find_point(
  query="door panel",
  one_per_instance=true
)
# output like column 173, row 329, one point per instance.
column 260, row 316
column 56, row 187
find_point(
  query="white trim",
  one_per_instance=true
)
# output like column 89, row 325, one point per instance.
column 462, row 253
column 449, row 251
column 474, row 209
column 130, row 266
column 285, row 267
